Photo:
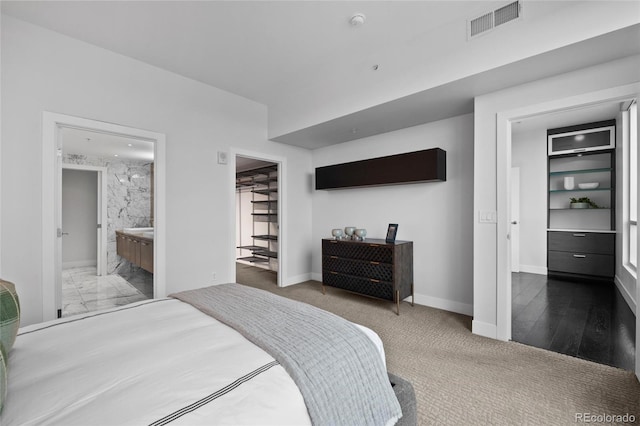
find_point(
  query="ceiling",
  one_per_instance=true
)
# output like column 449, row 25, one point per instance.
column 255, row 49
column 273, row 51
column 245, row 163
column 103, row 145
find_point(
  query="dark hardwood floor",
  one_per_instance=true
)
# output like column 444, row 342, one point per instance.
column 586, row 320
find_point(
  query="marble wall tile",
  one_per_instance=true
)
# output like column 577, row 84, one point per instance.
column 128, row 198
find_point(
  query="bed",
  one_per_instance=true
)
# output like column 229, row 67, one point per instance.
column 200, row 357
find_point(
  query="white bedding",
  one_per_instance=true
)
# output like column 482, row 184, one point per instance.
column 139, row 364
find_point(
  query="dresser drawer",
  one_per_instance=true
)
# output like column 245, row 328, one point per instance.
column 370, row 287
column 363, row 268
column 582, row 242
column 358, row 250
column 582, row 263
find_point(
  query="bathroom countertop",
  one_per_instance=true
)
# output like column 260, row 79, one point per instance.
column 138, row 235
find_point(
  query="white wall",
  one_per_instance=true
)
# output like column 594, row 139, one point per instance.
column 79, row 217
column 436, row 216
column 542, row 92
column 244, row 222
column 45, row 71
column 529, row 152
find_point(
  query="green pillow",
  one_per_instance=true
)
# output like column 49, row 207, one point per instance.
column 9, row 314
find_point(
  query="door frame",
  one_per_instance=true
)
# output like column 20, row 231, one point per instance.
column 101, row 267
column 515, row 228
column 51, row 176
column 503, row 186
column 282, row 213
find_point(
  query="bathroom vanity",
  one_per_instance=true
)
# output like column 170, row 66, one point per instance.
column 136, row 246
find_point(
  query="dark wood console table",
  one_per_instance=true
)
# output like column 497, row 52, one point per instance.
column 372, row 268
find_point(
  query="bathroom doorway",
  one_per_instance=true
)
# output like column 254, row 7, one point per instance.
column 132, row 160
column 106, row 194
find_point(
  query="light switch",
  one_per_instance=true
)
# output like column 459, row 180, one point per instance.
column 487, row 216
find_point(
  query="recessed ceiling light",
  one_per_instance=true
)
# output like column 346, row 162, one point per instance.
column 129, row 144
column 115, row 155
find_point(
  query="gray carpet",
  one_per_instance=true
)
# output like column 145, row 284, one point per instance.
column 460, row 378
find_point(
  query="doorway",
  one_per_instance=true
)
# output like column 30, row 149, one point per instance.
column 257, row 226
column 62, row 135
column 106, row 188
column 576, row 318
column 276, row 212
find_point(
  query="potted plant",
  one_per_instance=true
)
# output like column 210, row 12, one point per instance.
column 582, row 203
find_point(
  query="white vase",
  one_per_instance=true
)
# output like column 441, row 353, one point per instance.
column 569, row 183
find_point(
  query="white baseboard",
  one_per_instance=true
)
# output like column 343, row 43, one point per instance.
column 444, row 304
column 484, row 329
column 628, row 297
column 541, row 270
column 79, row 264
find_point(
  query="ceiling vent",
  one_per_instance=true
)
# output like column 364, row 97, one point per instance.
column 490, row 20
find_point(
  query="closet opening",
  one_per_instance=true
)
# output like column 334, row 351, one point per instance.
column 257, row 229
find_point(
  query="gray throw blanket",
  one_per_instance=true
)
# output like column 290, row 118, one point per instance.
column 336, row 367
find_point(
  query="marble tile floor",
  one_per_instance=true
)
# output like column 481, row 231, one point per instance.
column 83, row 291
column 139, row 278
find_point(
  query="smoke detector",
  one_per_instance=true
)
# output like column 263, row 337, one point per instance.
column 357, row 19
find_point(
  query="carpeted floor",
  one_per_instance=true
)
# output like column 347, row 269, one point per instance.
column 464, row 379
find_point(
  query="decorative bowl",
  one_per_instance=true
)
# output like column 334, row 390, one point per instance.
column 337, row 233
column 579, row 205
column 349, row 230
column 589, row 185
column 361, row 233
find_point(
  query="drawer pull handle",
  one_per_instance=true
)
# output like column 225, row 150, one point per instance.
column 334, row 257
column 579, row 235
column 374, row 281
column 580, row 256
column 334, row 273
column 375, row 263
column 374, row 245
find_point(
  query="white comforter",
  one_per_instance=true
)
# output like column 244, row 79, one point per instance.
column 155, row 361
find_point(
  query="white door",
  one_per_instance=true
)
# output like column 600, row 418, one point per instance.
column 515, row 219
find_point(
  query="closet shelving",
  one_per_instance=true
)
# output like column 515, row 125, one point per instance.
column 581, row 241
column 263, row 185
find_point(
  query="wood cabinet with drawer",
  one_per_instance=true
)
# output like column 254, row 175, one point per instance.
column 581, row 254
column 372, row 268
column 136, row 249
column 581, row 201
